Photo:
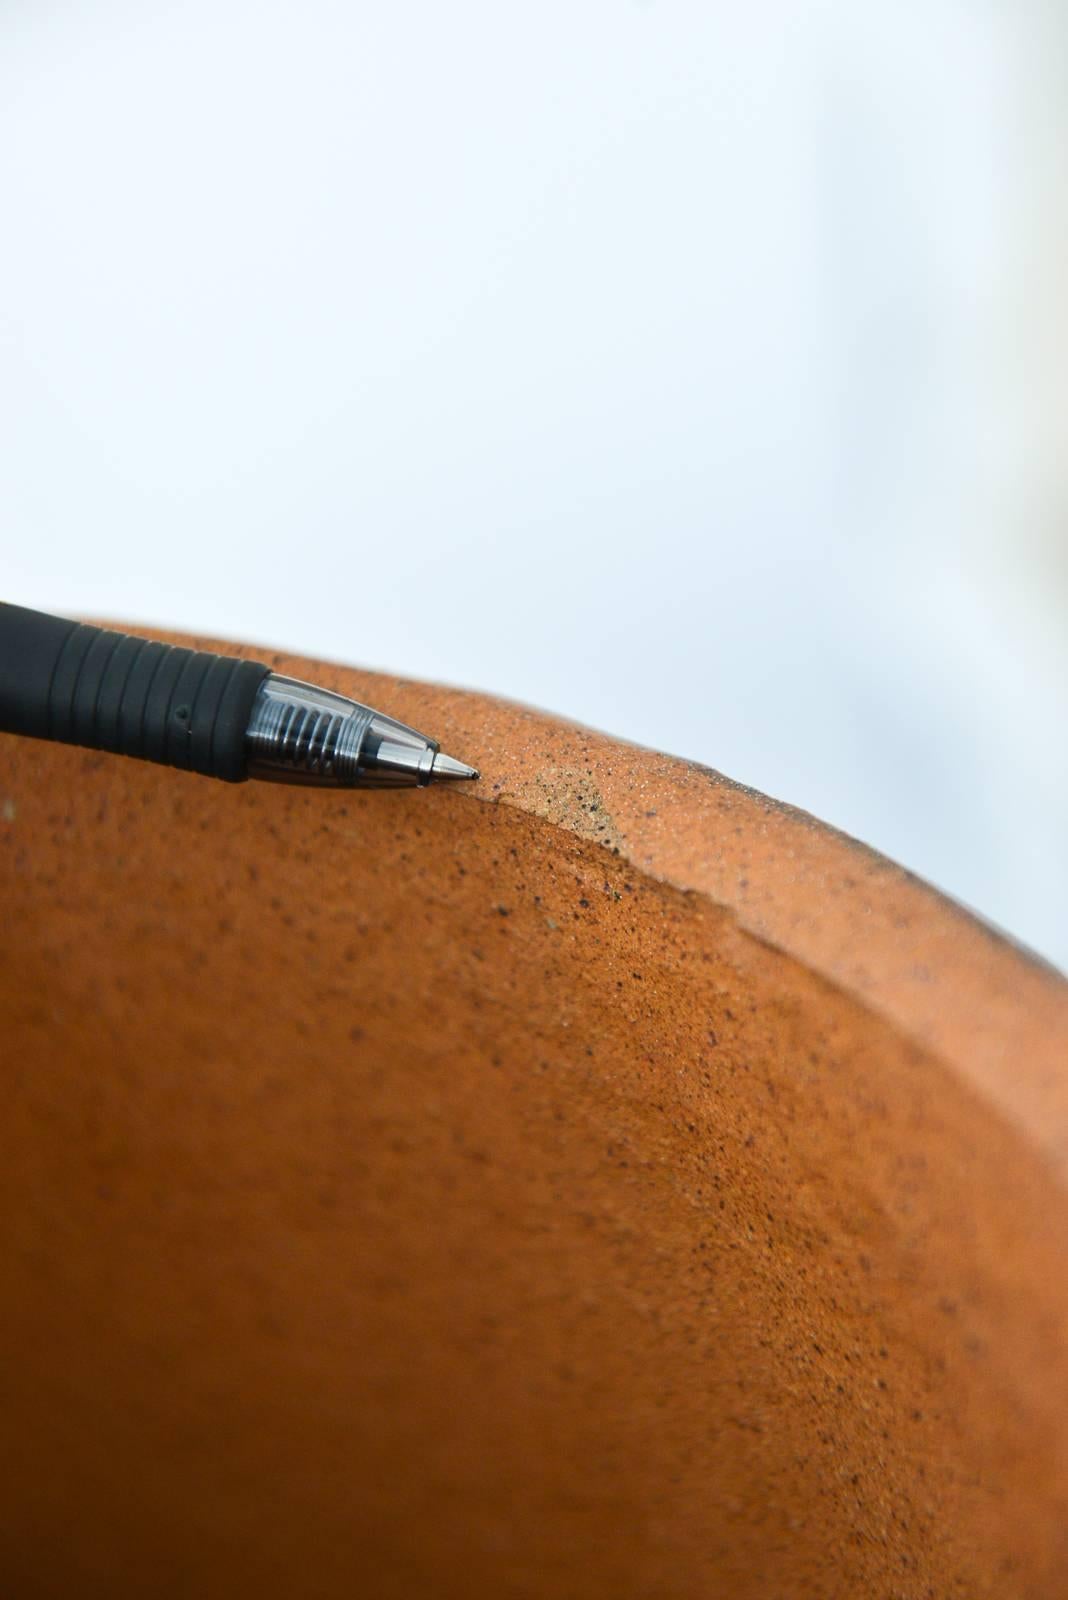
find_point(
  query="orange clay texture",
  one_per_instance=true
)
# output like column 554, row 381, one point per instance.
column 599, row 1181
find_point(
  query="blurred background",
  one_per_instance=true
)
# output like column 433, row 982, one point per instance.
column 697, row 371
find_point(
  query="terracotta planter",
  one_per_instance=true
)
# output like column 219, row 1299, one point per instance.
column 604, row 1181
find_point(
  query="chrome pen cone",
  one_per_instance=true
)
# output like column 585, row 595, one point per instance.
column 448, row 767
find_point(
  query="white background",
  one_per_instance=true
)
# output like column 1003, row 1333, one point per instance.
column 694, row 370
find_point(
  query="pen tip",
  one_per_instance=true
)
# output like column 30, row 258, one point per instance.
column 447, row 767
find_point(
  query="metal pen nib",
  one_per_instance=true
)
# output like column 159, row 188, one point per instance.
column 299, row 733
column 448, row 767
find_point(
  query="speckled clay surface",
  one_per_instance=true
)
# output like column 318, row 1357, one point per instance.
column 602, row 1181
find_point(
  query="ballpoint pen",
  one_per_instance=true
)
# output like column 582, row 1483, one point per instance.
column 221, row 716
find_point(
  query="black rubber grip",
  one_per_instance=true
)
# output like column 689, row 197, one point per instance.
column 89, row 686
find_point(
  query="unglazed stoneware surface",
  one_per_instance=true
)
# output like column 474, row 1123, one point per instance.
column 601, row 1181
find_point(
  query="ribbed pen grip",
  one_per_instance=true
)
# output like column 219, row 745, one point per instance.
column 110, row 691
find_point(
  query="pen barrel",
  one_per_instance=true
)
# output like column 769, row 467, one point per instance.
column 79, row 684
